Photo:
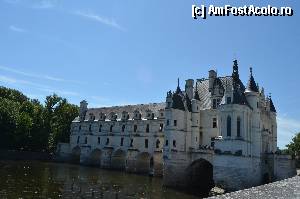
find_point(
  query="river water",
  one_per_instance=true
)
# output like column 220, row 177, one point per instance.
column 33, row 179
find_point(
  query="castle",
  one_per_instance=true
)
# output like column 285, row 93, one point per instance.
column 215, row 132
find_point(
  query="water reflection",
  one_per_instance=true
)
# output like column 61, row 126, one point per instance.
column 51, row 180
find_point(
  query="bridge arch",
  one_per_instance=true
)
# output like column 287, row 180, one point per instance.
column 95, row 157
column 118, row 160
column 144, row 163
column 75, row 156
column 200, row 177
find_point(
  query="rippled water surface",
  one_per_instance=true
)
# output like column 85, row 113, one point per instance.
column 20, row 179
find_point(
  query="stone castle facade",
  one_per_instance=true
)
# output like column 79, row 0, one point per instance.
column 215, row 131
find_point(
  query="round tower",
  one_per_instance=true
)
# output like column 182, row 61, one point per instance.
column 252, row 93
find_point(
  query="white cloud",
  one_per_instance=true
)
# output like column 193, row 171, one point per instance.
column 38, row 76
column 286, row 130
column 44, row 4
column 35, row 4
column 100, row 19
column 17, row 29
column 41, row 87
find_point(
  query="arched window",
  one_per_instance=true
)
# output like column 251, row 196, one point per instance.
column 123, row 128
column 111, row 128
column 135, row 128
column 100, row 128
column 238, row 127
column 147, row 128
column 228, row 126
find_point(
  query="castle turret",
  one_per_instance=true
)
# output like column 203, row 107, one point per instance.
column 195, row 135
column 83, row 110
column 252, row 92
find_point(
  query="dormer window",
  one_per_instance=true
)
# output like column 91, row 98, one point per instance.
column 214, row 103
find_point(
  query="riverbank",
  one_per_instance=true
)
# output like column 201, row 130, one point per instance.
column 25, row 155
column 288, row 188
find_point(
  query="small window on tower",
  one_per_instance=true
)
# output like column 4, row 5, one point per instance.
column 228, row 100
column 161, row 127
column 214, row 122
column 131, row 143
column 135, row 128
column 122, row 141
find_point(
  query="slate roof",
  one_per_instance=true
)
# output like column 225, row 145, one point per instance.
column 204, row 94
column 154, row 107
column 251, row 83
column 272, row 107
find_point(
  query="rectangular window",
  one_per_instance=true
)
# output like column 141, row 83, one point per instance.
column 147, row 128
column 131, row 143
column 168, row 122
column 167, row 142
column 174, row 143
column 161, row 126
column 98, row 140
column 146, row 143
column 122, row 141
column 214, row 122
column 175, row 122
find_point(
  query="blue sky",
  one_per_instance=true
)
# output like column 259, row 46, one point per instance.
column 127, row 52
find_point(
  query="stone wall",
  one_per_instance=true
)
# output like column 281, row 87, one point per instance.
column 236, row 172
column 285, row 167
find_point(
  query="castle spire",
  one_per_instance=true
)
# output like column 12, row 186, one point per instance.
column 178, row 90
column 252, row 86
column 235, row 72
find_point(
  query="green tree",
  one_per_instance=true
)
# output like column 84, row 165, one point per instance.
column 27, row 124
column 294, row 147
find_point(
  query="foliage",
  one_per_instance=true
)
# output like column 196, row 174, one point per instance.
column 28, row 125
column 294, row 147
